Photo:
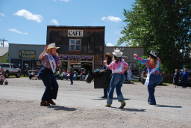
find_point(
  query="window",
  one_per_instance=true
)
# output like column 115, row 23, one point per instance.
column 5, row 65
column 74, row 44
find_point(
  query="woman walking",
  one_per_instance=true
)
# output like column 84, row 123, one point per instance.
column 153, row 74
column 50, row 62
column 118, row 68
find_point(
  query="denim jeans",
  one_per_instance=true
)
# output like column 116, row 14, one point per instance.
column 116, row 82
column 151, row 97
column 105, row 92
column 154, row 80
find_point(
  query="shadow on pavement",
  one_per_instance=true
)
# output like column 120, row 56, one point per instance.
column 62, row 108
column 133, row 110
column 106, row 99
column 130, row 109
column 168, row 106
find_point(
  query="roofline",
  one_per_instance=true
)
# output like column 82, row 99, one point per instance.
column 53, row 26
column 28, row 44
column 122, row 47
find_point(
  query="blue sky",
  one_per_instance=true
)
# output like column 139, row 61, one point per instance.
column 25, row 21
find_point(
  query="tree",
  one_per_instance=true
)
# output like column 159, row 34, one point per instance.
column 163, row 26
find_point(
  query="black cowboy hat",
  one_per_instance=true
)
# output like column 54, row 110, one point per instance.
column 153, row 54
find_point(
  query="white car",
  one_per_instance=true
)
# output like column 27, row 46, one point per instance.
column 10, row 69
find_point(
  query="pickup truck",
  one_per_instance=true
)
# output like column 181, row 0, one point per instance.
column 10, row 69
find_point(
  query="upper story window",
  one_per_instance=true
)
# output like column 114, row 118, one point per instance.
column 74, row 44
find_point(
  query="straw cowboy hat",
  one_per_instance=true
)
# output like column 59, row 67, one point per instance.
column 153, row 54
column 117, row 53
column 52, row 45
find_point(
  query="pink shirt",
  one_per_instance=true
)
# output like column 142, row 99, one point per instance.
column 119, row 67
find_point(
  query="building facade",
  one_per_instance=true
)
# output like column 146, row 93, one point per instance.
column 81, row 47
column 127, row 53
column 25, row 55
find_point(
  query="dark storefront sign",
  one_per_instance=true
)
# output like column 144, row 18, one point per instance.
column 27, row 54
column 77, row 57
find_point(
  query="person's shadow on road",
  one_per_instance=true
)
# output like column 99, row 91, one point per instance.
column 130, row 109
column 115, row 98
column 133, row 110
column 56, row 107
column 168, row 106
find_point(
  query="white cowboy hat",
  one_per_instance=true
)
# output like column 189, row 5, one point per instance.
column 52, row 45
column 117, row 53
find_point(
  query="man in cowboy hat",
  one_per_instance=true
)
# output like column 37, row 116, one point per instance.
column 50, row 62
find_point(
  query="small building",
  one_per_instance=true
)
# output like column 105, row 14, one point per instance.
column 81, row 47
column 127, row 53
column 25, row 55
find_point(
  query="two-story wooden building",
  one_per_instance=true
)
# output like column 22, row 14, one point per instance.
column 81, row 47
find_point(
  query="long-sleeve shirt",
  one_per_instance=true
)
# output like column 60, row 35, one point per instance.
column 150, row 66
column 118, row 67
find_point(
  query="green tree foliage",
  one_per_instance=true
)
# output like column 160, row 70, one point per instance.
column 4, row 59
column 163, row 26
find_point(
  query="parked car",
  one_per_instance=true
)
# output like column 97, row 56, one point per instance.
column 188, row 83
column 10, row 69
column 189, row 78
column 33, row 74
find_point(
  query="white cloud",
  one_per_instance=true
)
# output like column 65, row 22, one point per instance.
column 66, row 1
column 109, row 44
column 54, row 21
column 2, row 14
column 29, row 15
column 17, row 31
column 111, row 18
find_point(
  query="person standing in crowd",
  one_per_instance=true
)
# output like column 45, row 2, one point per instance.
column 108, row 59
column 50, row 62
column 118, row 68
column 176, row 77
column 153, row 74
column 71, row 76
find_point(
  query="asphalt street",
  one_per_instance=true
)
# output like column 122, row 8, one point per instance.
column 80, row 106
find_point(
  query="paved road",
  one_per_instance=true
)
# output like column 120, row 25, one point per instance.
column 80, row 106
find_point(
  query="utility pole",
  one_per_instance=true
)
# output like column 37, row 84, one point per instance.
column 3, row 42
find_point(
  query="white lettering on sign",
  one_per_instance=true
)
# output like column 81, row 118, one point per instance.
column 75, row 33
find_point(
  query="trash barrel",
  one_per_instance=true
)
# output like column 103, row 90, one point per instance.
column 101, row 78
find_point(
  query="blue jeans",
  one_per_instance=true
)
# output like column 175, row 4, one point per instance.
column 154, row 80
column 151, row 97
column 105, row 91
column 116, row 82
